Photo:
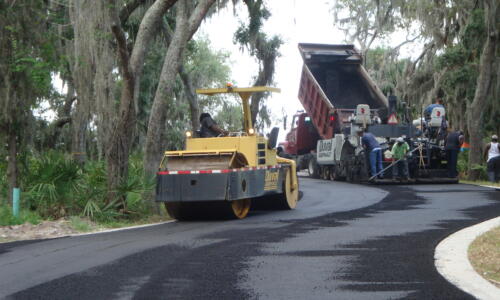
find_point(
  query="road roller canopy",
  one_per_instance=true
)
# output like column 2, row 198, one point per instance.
column 245, row 94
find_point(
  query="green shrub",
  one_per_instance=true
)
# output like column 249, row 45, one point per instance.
column 55, row 186
column 51, row 183
column 482, row 171
column 92, row 192
column 91, row 189
column 462, row 162
column 4, row 186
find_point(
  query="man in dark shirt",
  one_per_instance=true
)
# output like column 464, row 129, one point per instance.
column 453, row 142
column 208, row 127
column 374, row 151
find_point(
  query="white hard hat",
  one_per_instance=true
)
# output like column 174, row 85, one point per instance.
column 494, row 137
column 400, row 140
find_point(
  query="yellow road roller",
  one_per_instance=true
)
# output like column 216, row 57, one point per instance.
column 220, row 177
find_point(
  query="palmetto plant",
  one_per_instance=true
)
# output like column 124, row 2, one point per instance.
column 92, row 191
column 51, row 183
column 57, row 187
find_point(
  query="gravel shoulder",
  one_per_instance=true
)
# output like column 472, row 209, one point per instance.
column 66, row 227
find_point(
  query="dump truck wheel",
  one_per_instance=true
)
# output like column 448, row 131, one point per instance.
column 333, row 173
column 289, row 198
column 325, row 173
column 313, row 168
column 238, row 209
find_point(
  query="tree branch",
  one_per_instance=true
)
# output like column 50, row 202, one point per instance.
column 121, row 40
column 147, row 30
column 61, row 122
column 197, row 16
column 128, row 9
column 424, row 52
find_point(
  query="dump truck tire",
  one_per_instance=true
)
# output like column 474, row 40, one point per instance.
column 333, row 173
column 313, row 168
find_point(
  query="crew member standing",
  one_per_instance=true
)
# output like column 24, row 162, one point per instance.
column 399, row 150
column 452, row 145
column 371, row 145
column 492, row 156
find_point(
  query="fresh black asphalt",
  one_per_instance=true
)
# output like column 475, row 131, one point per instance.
column 343, row 241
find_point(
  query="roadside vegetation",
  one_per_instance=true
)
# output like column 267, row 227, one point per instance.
column 484, row 255
column 55, row 187
column 85, row 154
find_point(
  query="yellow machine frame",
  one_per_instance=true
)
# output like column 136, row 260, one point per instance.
column 251, row 145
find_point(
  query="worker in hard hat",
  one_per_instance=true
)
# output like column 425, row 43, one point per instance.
column 399, row 152
column 492, row 156
column 209, row 127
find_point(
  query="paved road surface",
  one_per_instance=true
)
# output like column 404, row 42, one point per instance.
column 344, row 241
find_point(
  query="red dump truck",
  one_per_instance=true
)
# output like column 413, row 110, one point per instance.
column 340, row 99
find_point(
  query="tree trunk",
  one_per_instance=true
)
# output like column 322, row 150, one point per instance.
column 194, row 107
column 79, row 128
column 184, row 29
column 475, row 109
column 147, row 31
column 12, row 168
column 156, row 125
column 118, row 149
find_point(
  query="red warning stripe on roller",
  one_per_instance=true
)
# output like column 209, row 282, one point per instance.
column 223, row 171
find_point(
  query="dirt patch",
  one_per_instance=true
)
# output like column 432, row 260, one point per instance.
column 484, row 255
column 65, row 227
column 44, row 230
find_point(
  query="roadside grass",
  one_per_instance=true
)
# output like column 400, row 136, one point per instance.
column 25, row 216
column 484, row 255
column 82, row 224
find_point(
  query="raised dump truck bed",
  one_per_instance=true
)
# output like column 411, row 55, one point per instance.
column 333, row 83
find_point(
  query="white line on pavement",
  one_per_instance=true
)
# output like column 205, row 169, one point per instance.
column 121, row 229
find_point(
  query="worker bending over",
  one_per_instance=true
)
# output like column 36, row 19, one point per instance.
column 399, row 151
column 374, row 151
column 492, row 156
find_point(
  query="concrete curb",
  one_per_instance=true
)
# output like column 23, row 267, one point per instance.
column 492, row 187
column 451, row 261
column 120, row 229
